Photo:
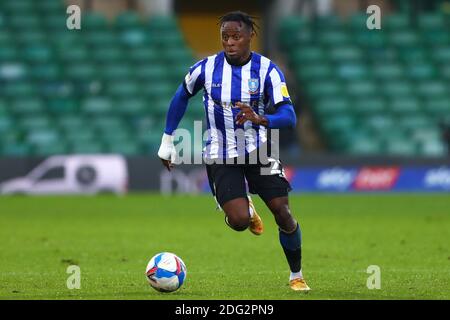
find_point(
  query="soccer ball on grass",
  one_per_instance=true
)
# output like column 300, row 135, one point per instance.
column 166, row 272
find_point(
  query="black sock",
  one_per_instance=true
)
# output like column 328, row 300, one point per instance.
column 291, row 243
column 294, row 258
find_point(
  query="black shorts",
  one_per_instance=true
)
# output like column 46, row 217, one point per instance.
column 227, row 181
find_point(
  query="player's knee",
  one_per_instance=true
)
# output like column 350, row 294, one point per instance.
column 282, row 211
column 283, row 217
column 279, row 206
column 239, row 222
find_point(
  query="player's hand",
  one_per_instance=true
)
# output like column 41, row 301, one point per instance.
column 247, row 114
column 167, row 152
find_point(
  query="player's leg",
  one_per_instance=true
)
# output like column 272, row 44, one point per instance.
column 273, row 188
column 241, row 214
column 237, row 213
column 227, row 184
column 290, row 239
column 256, row 224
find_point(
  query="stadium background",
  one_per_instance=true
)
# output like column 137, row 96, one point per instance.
column 363, row 97
column 373, row 111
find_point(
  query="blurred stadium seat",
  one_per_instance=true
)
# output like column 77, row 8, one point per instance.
column 379, row 92
column 104, row 88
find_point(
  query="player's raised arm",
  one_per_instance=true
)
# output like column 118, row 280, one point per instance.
column 192, row 83
column 283, row 117
column 276, row 89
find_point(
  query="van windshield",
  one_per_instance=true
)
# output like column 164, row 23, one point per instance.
column 53, row 174
column 42, row 169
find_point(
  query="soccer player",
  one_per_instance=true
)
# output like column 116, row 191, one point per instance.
column 238, row 86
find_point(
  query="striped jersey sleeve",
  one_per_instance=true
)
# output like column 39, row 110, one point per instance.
column 195, row 78
column 275, row 86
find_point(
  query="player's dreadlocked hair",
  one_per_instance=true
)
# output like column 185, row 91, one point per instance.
column 240, row 16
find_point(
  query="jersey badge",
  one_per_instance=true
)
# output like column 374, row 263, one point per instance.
column 253, row 86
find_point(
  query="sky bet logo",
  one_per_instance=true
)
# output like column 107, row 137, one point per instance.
column 336, row 178
column 438, row 178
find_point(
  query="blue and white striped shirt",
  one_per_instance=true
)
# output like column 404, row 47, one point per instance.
column 259, row 83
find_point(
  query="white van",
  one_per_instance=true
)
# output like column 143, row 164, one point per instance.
column 82, row 174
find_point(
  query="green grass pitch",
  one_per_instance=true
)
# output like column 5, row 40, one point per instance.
column 112, row 238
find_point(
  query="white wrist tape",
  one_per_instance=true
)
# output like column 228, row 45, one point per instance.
column 167, row 149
